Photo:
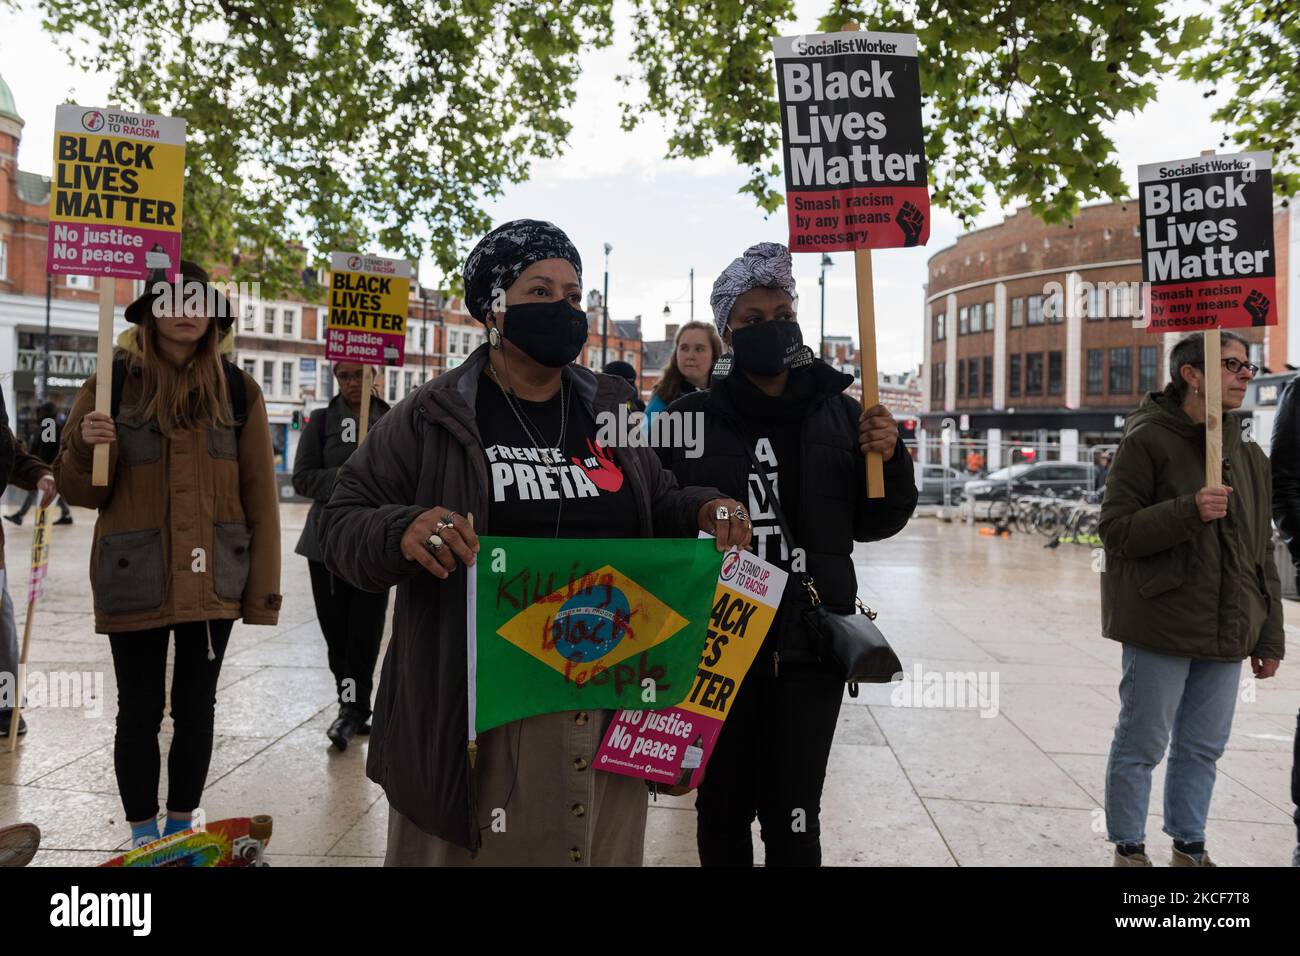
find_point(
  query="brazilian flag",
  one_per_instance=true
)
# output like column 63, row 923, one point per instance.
column 585, row 624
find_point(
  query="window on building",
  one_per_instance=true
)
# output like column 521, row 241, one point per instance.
column 424, row 338
column 286, row 322
column 250, row 318
column 1097, row 302
column 973, row 378
column 963, row 320
column 286, row 379
column 935, row 391
column 4, row 259
column 1096, row 367
column 1121, row 371
column 1035, row 310
column 392, row 385
column 1149, row 367
column 268, row 377
column 408, row 381
column 961, row 378
column 326, row 380
column 250, row 366
column 1034, row 373
column 938, row 326
column 1054, row 307
column 1256, row 353
column 1053, row 373
column 268, row 321
column 80, row 282
column 1122, row 299
column 988, row 376
column 1017, row 312
column 1013, row 375
column 988, row 317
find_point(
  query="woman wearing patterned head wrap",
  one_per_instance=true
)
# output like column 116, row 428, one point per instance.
column 781, row 409
column 481, row 439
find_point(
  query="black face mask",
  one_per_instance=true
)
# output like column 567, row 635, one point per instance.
column 551, row 333
column 767, row 348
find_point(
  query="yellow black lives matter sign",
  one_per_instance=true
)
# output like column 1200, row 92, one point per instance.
column 116, row 194
column 367, row 314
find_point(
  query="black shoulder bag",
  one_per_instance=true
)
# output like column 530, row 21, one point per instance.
column 852, row 642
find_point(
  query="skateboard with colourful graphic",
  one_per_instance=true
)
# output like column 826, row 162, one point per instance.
column 238, row 841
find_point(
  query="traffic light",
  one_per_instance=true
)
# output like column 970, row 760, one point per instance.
column 297, row 421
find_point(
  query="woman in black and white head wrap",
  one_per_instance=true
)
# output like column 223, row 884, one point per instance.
column 509, row 436
column 781, row 410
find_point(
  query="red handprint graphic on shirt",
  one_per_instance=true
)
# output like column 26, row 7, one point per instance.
column 606, row 475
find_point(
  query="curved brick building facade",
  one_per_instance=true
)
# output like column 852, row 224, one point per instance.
column 1004, row 348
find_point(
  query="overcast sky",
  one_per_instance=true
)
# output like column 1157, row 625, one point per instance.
column 662, row 218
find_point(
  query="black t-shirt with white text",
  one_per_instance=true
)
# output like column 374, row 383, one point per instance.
column 583, row 487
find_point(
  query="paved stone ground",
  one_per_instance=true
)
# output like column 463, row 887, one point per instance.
column 907, row 785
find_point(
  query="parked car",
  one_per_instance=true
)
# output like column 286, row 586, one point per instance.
column 1060, row 477
column 932, row 482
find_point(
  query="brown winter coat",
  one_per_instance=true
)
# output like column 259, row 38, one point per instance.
column 165, row 499
column 28, row 470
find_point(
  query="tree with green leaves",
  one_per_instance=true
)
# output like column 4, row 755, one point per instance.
column 386, row 125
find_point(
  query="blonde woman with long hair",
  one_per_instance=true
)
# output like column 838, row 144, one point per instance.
column 188, row 534
column 696, row 348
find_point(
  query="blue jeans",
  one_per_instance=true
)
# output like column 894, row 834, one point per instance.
column 1161, row 695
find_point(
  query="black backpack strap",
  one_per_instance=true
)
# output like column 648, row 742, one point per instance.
column 119, row 374
column 238, row 394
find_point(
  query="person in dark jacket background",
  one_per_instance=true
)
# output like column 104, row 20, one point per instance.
column 44, row 443
column 352, row 620
column 810, row 439
column 1190, row 589
column 1284, row 458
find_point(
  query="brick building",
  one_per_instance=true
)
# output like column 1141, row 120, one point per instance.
column 1006, row 353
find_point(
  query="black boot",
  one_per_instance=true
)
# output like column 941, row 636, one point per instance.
column 346, row 726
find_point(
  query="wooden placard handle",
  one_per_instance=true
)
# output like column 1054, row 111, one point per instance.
column 867, row 348
column 104, row 375
column 367, row 383
column 1213, row 349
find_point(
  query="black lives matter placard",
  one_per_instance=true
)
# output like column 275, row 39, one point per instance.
column 855, row 172
column 1207, row 242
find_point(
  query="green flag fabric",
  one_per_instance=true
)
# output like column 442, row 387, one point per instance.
column 578, row 624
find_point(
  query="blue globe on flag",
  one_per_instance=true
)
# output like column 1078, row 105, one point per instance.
column 590, row 625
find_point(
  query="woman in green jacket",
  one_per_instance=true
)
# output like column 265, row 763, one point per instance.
column 1190, row 589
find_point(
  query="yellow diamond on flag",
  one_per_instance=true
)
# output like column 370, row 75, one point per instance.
column 600, row 619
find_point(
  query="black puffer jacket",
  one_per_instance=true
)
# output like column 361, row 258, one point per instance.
column 828, row 512
column 1284, row 458
column 6, row 446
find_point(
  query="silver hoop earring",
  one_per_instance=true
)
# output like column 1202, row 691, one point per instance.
column 494, row 338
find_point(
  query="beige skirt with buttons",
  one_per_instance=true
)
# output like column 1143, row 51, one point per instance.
column 540, row 802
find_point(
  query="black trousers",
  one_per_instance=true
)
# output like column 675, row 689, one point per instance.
column 770, row 761
column 140, row 663
column 352, row 621
column 1295, row 775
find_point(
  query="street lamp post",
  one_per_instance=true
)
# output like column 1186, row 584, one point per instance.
column 604, row 307
column 692, row 295
column 827, row 263
column 424, row 335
